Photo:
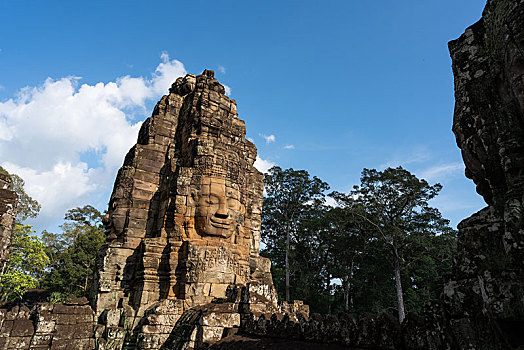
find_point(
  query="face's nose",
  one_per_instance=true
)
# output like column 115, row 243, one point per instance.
column 222, row 212
column 106, row 220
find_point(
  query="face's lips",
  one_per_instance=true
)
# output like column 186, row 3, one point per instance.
column 220, row 223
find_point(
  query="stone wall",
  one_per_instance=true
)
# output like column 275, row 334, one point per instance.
column 43, row 325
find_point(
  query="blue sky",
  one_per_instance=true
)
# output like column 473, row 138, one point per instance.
column 339, row 85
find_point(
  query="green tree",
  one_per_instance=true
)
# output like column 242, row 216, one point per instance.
column 27, row 206
column 312, row 259
column 394, row 203
column 428, row 262
column 351, row 242
column 292, row 197
column 73, row 253
column 25, row 266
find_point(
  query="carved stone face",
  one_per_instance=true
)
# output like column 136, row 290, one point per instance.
column 218, row 208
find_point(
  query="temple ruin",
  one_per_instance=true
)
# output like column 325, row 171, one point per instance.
column 181, row 267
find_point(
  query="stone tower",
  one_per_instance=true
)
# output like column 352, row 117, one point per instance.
column 183, row 224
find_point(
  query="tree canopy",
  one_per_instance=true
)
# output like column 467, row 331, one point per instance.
column 27, row 206
column 383, row 248
column 73, row 253
column 25, row 266
column 395, row 204
column 292, row 199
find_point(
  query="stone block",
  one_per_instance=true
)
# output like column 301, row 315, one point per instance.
column 68, row 344
column 212, row 334
column 22, row 328
column 19, row 343
column 41, row 340
column 215, row 319
column 64, row 331
column 45, row 326
column 84, row 331
column 7, row 326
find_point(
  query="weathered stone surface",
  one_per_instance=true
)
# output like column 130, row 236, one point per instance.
column 182, row 270
column 46, row 326
column 183, row 225
column 486, row 297
column 8, row 206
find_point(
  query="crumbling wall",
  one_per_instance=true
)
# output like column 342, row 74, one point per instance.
column 47, row 326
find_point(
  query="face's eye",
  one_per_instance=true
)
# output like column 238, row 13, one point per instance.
column 212, row 200
column 233, row 204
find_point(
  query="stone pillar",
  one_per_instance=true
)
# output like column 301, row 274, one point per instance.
column 8, row 206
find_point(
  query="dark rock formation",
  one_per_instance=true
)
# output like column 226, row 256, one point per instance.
column 486, row 297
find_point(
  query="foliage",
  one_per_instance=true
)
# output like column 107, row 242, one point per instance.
column 26, row 264
column 394, row 204
column 292, row 202
column 73, row 253
column 27, row 206
column 343, row 258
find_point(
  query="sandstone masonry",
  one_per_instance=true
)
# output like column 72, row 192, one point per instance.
column 183, row 225
column 8, row 205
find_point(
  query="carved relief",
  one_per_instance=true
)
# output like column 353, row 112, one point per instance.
column 218, row 211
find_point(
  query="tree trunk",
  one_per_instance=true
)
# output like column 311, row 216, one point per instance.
column 287, row 265
column 328, row 282
column 348, row 298
column 346, row 293
column 398, row 286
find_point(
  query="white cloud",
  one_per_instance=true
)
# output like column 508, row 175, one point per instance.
column 441, row 172
column 59, row 188
column 289, row 146
column 270, row 138
column 263, row 165
column 67, row 141
column 227, row 90
column 419, row 155
column 331, row 202
column 222, row 69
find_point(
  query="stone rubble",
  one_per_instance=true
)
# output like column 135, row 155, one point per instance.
column 43, row 325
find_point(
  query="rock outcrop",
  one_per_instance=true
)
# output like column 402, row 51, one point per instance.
column 486, row 297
